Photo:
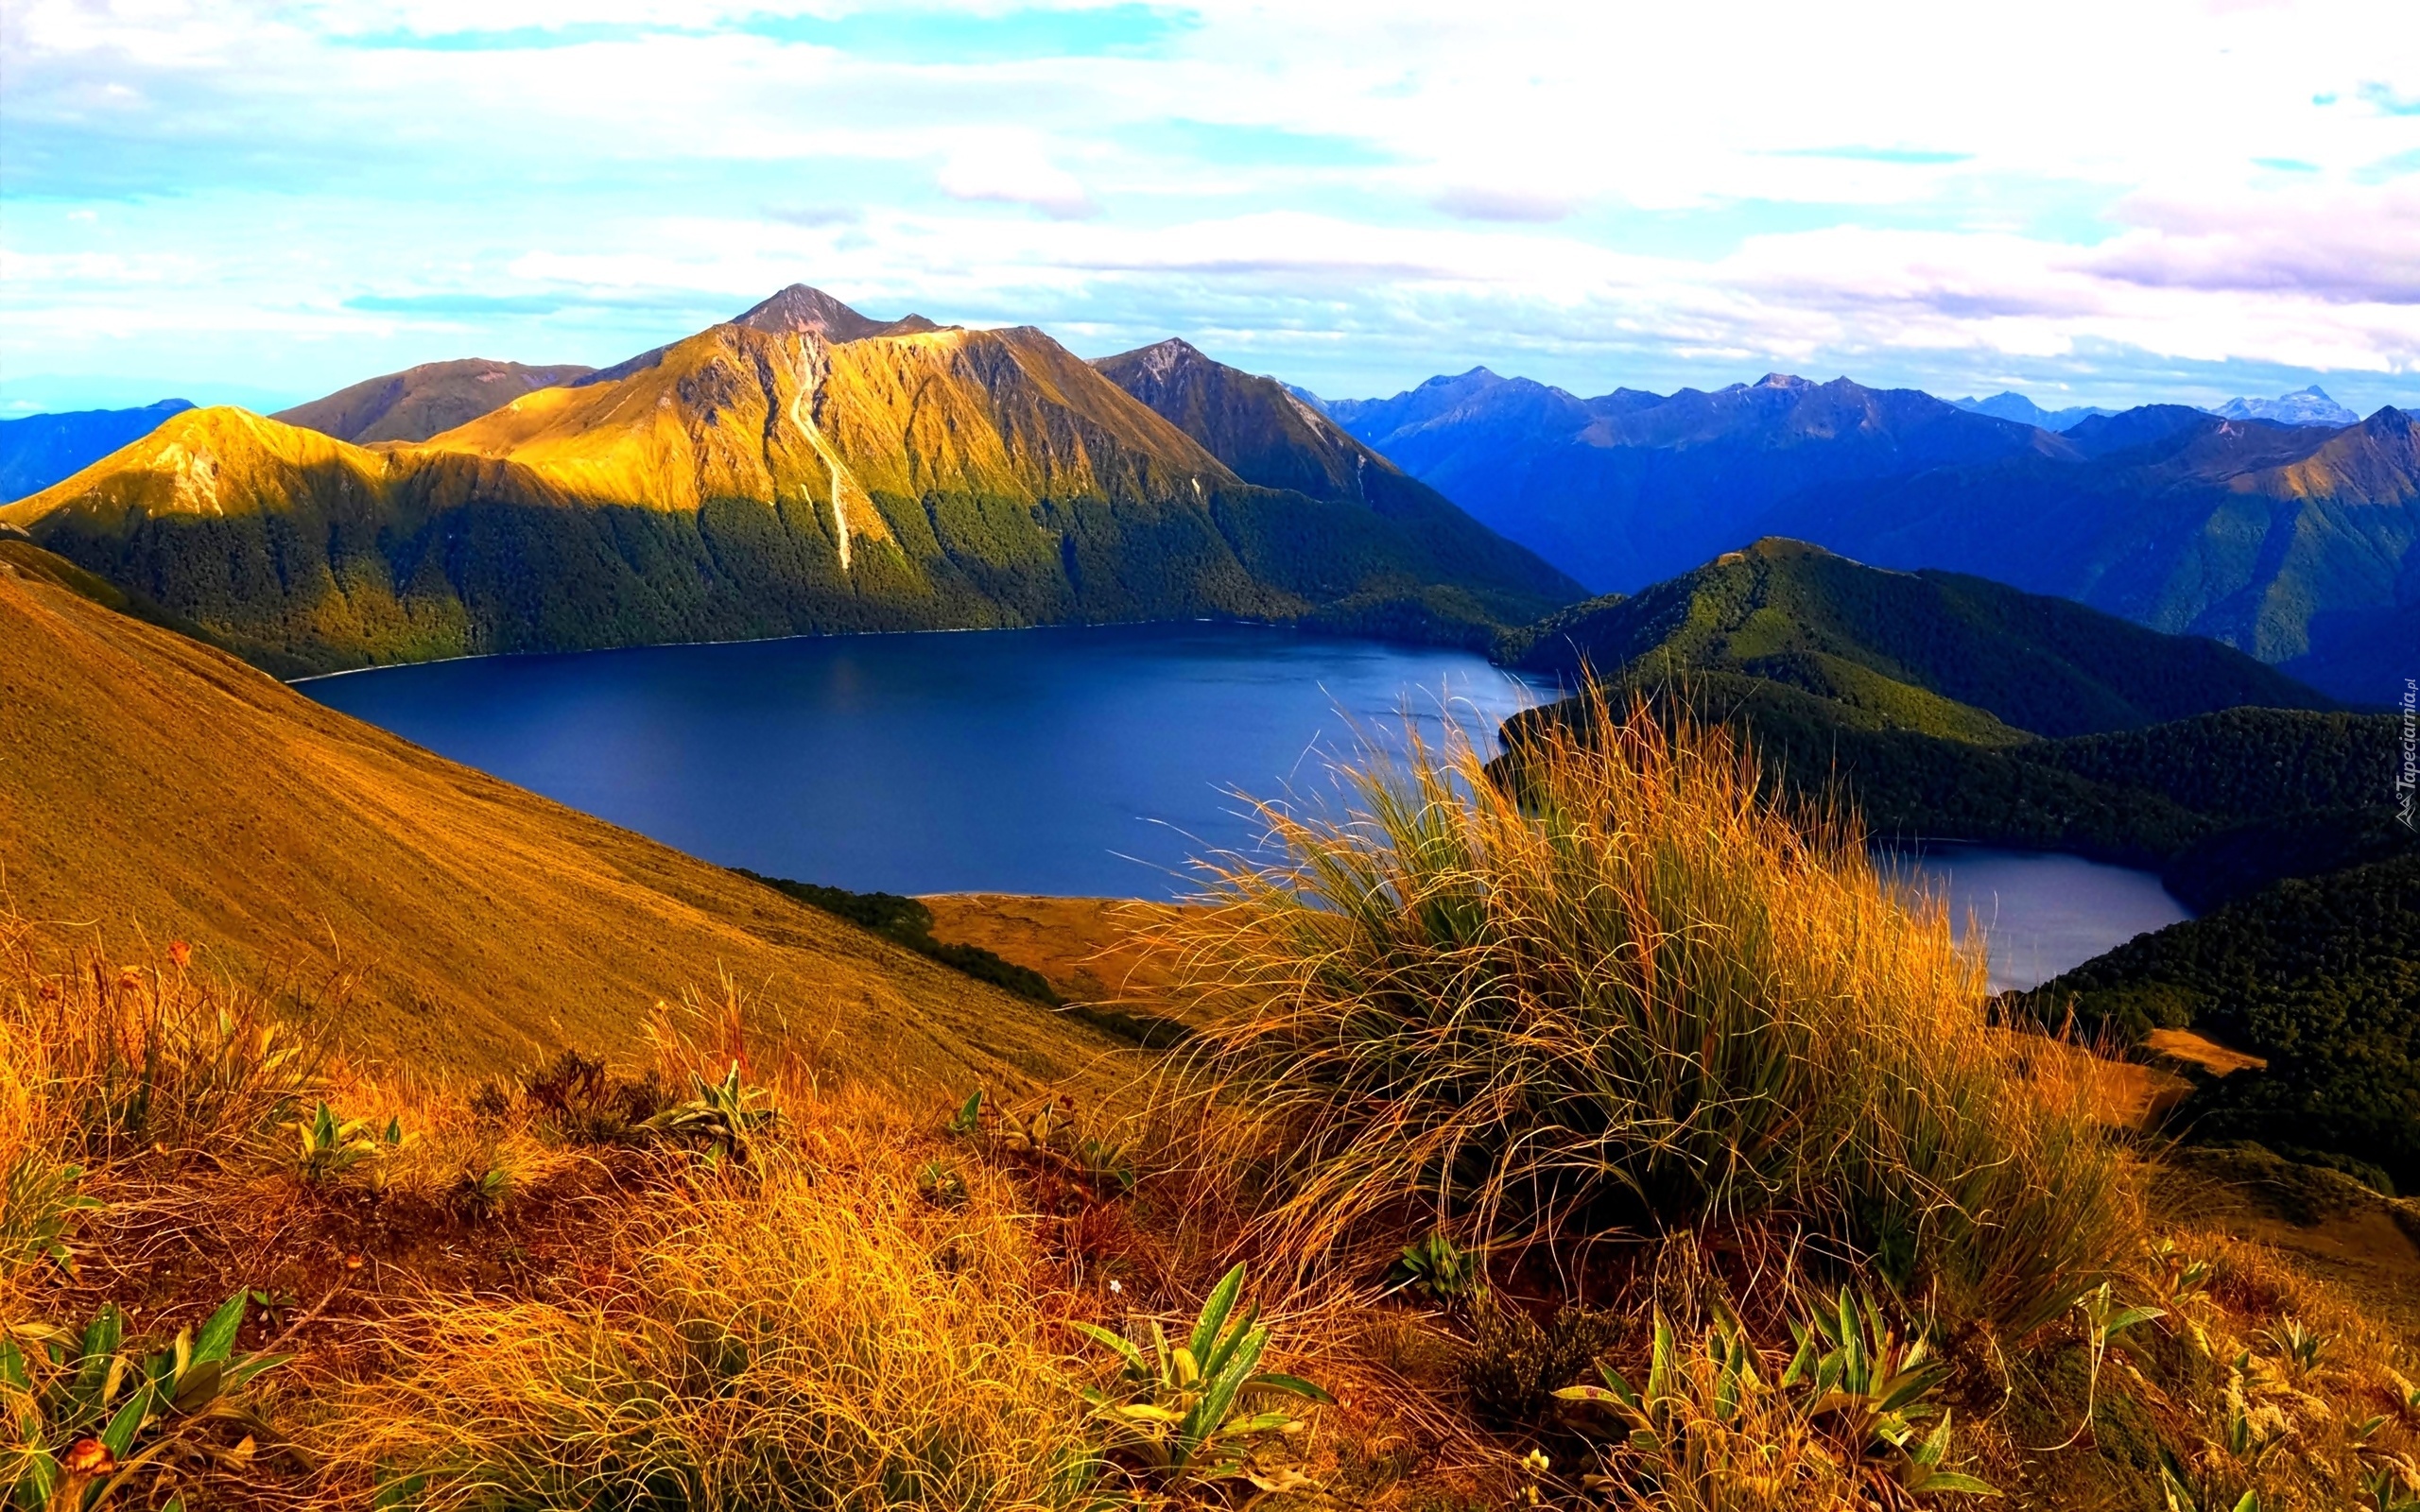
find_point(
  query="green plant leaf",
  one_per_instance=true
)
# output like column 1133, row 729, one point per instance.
column 1123, row 1345
column 218, row 1337
column 1219, row 1391
column 197, row 1388
column 1936, row 1445
column 2128, row 1319
column 127, row 1422
column 1291, row 1385
column 96, row 1356
column 1215, row 1309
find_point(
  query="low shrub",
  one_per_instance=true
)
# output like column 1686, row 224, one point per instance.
column 908, row 923
column 1514, row 1364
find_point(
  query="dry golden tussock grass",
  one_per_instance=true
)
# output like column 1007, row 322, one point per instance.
column 808, row 1330
column 1608, row 988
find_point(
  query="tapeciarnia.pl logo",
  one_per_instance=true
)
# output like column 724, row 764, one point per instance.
column 2408, row 779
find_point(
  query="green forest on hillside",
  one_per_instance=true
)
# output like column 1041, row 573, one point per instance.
column 1780, row 610
column 2319, row 975
column 2221, row 804
column 308, row 591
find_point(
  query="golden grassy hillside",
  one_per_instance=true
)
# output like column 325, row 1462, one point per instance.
column 215, row 463
column 1622, row 1144
column 161, row 790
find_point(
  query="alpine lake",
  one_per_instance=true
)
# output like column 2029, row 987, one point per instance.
column 1096, row 760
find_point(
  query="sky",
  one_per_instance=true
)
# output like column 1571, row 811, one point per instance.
column 2092, row 203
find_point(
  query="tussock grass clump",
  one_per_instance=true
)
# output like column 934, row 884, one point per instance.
column 808, row 1331
column 100, row 1060
column 1608, row 986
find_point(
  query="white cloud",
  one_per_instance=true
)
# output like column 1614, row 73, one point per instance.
column 1014, row 170
column 1886, row 183
column 1503, row 202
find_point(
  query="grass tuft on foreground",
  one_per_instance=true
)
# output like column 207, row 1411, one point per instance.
column 1590, row 1132
column 1609, row 988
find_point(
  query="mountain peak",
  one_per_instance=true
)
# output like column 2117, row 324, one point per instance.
column 1788, row 381
column 2304, row 406
column 804, row 310
column 1162, row 359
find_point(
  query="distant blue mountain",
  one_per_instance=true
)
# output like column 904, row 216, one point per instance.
column 1631, row 488
column 2009, row 404
column 2292, row 541
column 39, row 450
column 2305, row 407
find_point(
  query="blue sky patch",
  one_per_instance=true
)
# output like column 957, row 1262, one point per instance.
column 507, row 39
column 916, row 35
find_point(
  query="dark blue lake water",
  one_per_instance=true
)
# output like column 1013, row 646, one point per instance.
column 1077, row 761
column 2040, row 913
column 1070, row 761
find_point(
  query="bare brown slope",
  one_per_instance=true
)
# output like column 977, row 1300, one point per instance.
column 1248, row 421
column 419, row 402
column 150, row 783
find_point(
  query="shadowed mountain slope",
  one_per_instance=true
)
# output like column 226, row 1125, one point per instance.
column 418, row 402
column 746, row 483
column 2288, row 542
column 1271, row 437
column 2294, row 544
column 39, row 450
column 1629, row 488
column 155, row 787
column 1799, row 615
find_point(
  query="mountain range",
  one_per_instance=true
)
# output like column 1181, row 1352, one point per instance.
column 2010, row 405
column 1631, row 487
column 2293, row 543
column 801, row 469
column 2305, row 407
column 2290, row 542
